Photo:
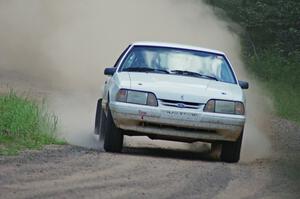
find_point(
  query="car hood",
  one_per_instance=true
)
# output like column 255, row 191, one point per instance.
column 184, row 88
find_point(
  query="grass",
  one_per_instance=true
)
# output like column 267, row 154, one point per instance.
column 281, row 76
column 286, row 101
column 24, row 124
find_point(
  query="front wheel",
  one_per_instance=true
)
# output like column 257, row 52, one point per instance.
column 231, row 150
column 113, row 136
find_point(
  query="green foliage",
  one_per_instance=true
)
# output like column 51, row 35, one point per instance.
column 271, row 43
column 24, row 125
column 281, row 76
column 271, row 24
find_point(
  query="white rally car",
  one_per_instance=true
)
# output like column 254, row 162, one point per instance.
column 172, row 92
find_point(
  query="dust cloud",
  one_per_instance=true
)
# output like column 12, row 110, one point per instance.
column 59, row 49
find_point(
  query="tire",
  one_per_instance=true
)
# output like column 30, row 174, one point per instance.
column 102, row 126
column 98, row 117
column 100, row 121
column 113, row 136
column 231, row 150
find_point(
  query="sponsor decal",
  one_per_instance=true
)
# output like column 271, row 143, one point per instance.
column 142, row 114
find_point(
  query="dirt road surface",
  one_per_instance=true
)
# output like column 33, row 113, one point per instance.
column 152, row 172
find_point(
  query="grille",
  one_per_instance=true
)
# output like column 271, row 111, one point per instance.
column 180, row 104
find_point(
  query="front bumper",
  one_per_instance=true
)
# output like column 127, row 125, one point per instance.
column 174, row 123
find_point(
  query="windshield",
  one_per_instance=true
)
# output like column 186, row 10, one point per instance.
column 178, row 62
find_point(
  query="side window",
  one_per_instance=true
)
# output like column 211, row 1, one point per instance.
column 130, row 60
column 226, row 74
column 121, row 56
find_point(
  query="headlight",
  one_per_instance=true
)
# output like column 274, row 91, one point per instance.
column 223, row 106
column 136, row 97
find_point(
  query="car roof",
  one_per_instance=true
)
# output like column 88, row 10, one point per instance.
column 175, row 45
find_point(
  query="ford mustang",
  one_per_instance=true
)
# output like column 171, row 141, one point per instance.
column 172, row 92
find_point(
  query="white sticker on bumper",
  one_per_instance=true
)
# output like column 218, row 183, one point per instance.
column 180, row 115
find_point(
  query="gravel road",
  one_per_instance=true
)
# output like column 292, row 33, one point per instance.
column 151, row 172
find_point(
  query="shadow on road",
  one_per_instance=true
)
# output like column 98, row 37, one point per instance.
column 170, row 153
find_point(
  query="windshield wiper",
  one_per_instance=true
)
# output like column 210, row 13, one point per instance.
column 146, row 69
column 194, row 74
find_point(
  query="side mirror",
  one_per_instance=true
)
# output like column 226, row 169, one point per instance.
column 110, row 71
column 243, row 84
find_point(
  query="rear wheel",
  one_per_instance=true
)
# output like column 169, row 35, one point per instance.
column 100, row 122
column 113, row 136
column 231, row 150
column 102, row 126
column 98, row 117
